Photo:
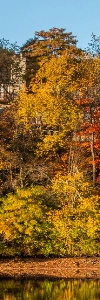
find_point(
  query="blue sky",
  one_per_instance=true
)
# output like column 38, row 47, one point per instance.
column 19, row 19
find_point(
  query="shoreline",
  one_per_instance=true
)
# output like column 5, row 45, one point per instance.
column 76, row 267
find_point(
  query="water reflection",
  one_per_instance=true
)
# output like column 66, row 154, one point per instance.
column 49, row 289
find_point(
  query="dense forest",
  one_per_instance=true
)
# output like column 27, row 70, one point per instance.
column 50, row 146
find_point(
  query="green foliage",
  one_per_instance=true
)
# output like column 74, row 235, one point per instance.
column 30, row 225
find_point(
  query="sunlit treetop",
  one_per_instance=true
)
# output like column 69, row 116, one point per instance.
column 49, row 42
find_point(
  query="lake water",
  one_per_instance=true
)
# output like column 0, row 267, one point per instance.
column 53, row 289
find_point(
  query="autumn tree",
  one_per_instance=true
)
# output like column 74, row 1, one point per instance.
column 50, row 142
column 12, row 68
column 44, row 45
column 89, row 103
column 60, row 117
column 50, row 109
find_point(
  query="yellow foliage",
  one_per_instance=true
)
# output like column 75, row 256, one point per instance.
column 49, row 102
